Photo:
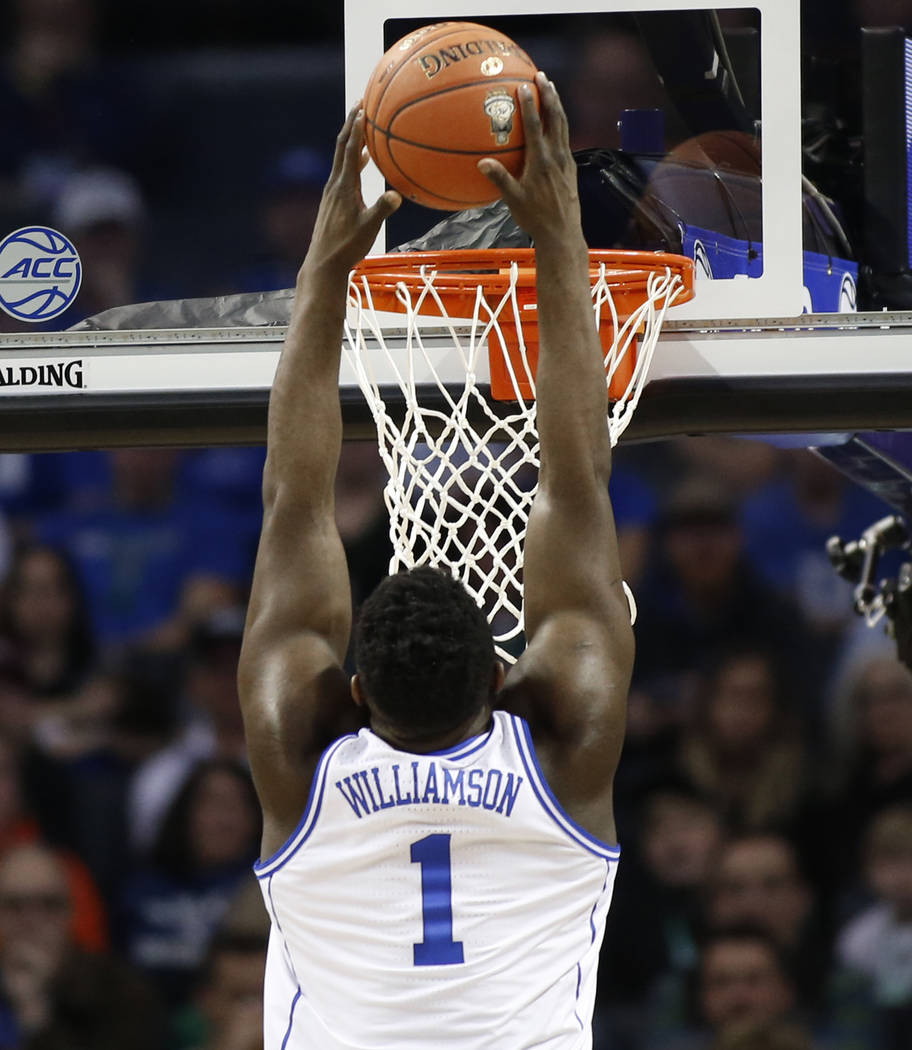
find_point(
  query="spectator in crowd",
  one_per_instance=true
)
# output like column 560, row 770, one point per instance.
column 53, row 995
column 231, row 478
column 150, row 685
column 44, row 621
column 61, row 706
column 786, row 526
column 742, row 464
column 635, row 510
column 878, row 772
column 174, row 903
column 102, row 211
column 775, row 1035
column 757, row 881
column 743, row 982
column 787, row 523
column 701, row 599
column 227, row 1013
column 656, row 713
column 361, row 516
column 291, row 195
column 36, row 483
column 136, row 553
column 212, row 725
column 654, row 922
column 60, row 109
column 878, row 941
column 744, row 749
column 88, row 919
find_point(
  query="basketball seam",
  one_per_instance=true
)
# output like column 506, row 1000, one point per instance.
column 449, row 91
column 443, row 149
column 428, row 191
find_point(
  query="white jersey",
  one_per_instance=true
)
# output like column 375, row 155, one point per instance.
column 434, row 900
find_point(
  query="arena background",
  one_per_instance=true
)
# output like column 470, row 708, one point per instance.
column 765, row 795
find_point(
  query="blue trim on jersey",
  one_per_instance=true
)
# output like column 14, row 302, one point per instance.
column 274, row 918
column 546, row 797
column 579, row 981
column 579, row 965
column 294, row 1003
column 473, row 744
column 273, row 915
column 293, row 843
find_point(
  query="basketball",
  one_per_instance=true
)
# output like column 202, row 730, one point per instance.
column 439, row 100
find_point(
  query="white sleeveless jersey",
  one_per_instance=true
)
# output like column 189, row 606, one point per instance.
column 438, row 900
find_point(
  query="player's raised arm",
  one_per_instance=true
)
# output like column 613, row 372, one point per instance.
column 294, row 694
column 571, row 683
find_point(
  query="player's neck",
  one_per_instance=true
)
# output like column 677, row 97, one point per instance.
column 476, row 724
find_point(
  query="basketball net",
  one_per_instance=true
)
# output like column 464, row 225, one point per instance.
column 463, row 470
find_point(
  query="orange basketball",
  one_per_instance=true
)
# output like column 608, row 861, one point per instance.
column 439, row 100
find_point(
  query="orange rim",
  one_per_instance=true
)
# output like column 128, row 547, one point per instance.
column 459, row 274
column 463, row 270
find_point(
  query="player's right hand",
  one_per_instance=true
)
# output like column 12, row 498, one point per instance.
column 345, row 227
column 544, row 200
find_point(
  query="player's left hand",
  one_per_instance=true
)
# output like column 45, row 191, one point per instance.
column 346, row 228
column 544, row 199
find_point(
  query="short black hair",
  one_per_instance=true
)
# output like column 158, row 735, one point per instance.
column 424, row 651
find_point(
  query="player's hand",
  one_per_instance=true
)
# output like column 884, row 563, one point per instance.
column 346, row 228
column 544, row 200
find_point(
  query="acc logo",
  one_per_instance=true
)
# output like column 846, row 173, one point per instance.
column 40, row 273
column 500, row 107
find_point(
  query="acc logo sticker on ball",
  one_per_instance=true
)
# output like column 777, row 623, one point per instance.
column 40, row 273
column 500, row 107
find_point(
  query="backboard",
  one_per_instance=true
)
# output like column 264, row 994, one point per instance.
column 775, row 288
column 804, row 325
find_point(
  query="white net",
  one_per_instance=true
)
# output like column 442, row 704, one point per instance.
column 462, row 469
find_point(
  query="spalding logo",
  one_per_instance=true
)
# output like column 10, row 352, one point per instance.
column 40, row 273
column 48, row 375
column 433, row 62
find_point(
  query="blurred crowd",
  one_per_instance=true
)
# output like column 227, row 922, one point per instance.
column 764, row 799
column 129, row 914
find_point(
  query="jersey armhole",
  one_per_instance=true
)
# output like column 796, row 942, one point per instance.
column 547, row 799
column 264, row 868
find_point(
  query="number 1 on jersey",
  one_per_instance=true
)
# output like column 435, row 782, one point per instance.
column 438, row 947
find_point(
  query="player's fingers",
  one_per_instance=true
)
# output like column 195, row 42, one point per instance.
column 502, row 179
column 550, row 105
column 351, row 157
column 382, row 208
column 532, row 122
column 364, row 158
column 343, row 137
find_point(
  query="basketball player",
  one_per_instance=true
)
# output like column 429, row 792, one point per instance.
column 438, row 843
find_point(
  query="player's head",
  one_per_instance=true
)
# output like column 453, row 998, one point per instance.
column 424, row 653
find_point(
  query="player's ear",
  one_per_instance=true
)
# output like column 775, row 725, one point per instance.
column 356, row 692
column 497, row 678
